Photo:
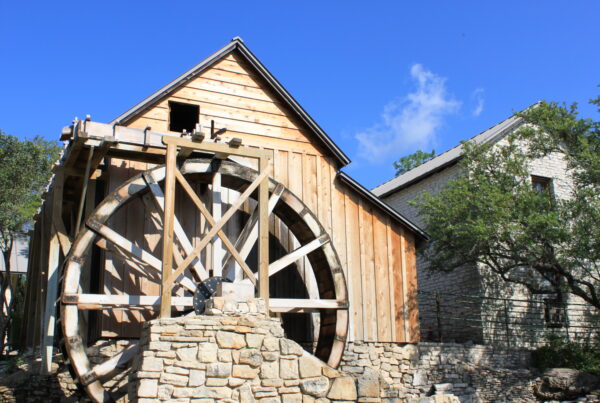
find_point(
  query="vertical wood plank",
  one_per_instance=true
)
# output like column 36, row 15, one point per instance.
column 354, row 265
column 382, row 280
column 411, row 280
column 391, row 269
column 399, row 289
column 405, row 286
column 368, row 273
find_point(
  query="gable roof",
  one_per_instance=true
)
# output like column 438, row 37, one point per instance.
column 237, row 44
column 445, row 159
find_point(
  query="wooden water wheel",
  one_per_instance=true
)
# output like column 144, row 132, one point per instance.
column 330, row 303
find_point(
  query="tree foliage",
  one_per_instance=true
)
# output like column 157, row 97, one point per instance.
column 493, row 217
column 411, row 161
column 25, row 169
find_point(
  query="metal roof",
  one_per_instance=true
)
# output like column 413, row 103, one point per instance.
column 238, row 44
column 445, row 159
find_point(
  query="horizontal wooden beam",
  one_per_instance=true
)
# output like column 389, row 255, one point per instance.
column 152, row 302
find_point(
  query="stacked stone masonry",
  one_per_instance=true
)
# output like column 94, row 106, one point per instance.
column 236, row 354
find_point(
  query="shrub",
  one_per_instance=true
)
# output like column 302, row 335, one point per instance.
column 559, row 353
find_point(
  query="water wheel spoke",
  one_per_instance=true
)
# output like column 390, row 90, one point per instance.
column 104, row 301
column 110, row 365
column 159, row 201
column 132, row 262
column 249, row 233
column 297, row 254
column 293, row 305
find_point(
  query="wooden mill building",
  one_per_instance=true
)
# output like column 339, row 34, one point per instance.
column 341, row 263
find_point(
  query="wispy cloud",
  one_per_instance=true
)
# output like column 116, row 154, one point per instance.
column 477, row 96
column 410, row 122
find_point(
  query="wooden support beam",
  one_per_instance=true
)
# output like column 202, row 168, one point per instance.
column 103, row 301
column 263, row 231
column 217, row 244
column 152, row 302
column 216, row 228
column 53, row 274
column 159, row 201
column 297, row 254
column 167, row 260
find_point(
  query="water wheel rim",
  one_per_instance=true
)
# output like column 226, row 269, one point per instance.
column 290, row 209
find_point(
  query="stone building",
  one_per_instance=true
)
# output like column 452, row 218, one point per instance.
column 466, row 304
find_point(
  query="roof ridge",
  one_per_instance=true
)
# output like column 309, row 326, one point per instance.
column 493, row 132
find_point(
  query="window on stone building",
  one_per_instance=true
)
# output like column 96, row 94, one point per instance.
column 541, row 184
column 554, row 312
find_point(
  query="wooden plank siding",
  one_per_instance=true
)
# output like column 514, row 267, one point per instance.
column 376, row 253
column 368, row 243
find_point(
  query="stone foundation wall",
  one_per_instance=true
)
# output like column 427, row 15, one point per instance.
column 474, row 373
column 234, row 353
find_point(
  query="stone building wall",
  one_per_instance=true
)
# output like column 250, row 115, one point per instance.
column 526, row 320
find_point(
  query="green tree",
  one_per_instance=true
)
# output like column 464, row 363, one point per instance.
column 493, row 216
column 411, row 161
column 25, row 169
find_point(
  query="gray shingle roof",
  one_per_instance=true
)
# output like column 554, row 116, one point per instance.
column 445, row 159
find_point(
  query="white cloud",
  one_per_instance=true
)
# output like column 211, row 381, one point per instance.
column 410, row 122
column 478, row 97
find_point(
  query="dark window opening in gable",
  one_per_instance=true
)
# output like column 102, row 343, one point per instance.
column 183, row 116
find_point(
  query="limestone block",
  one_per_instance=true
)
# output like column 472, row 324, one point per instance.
column 310, row 366
column 343, row 388
column 288, row 346
column 270, row 355
column 269, row 369
column 187, row 353
column 148, row 388
column 218, row 370
column 165, row 392
column 182, row 392
column 272, row 382
column 173, row 379
column 235, row 382
column 288, row 368
column 177, row 370
column 251, row 357
column 254, row 340
column 216, row 382
column 230, row 340
column 197, row 377
column 316, row 387
column 245, row 371
column 212, row 392
column 419, row 378
column 207, row 352
column 224, row 355
column 271, row 344
column 245, row 394
column 368, row 386
column 291, row 398
column 152, row 364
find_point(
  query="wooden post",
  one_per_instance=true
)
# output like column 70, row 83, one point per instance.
column 53, row 274
column 169, row 213
column 217, row 245
column 263, row 234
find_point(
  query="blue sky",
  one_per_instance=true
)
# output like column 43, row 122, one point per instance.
column 381, row 78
